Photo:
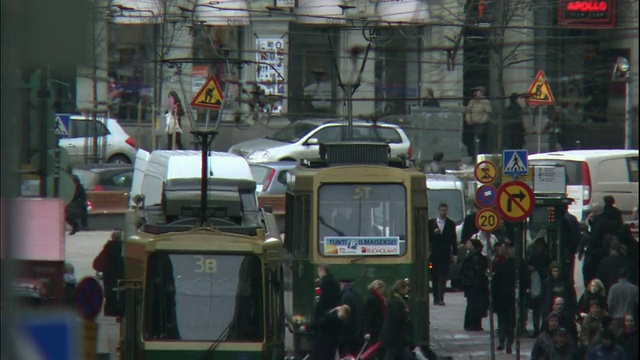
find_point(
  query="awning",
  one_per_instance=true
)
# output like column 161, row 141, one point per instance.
column 136, row 11
column 321, row 12
column 403, row 12
column 222, row 12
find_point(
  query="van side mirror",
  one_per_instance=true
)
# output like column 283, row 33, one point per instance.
column 312, row 141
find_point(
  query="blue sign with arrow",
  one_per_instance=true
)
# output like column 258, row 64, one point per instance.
column 514, row 162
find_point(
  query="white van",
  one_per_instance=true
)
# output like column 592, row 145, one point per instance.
column 447, row 189
column 153, row 171
column 593, row 174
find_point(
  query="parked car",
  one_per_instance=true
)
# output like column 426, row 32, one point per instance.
column 271, row 177
column 105, row 177
column 593, row 174
column 114, row 144
column 301, row 140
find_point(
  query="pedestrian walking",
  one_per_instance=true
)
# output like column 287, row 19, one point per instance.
column 111, row 264
column 469, row 225
column 397, row 330
column 444, row 251
column 477, row 115
column 174, row 122
column 591, row 321
column 327, row 333
column 611, row 212
column 607, row 349
column 375, row 311
column 628, row 337
column 352, row 337
column 567, row 320
column 538, row 263
column 593, row 291
column 329, row 292
column 557, row 286
column 436, row 166
column 430, row 99
column 516, row 131
column 623, row 298
column 594, row 246
column 475, row 284
column 544, row 344
column 570, row 240
column 503, row 290
column 563, row 349
column 609, row 268
column 77, row 208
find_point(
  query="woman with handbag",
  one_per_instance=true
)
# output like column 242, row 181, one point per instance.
column 174, row 124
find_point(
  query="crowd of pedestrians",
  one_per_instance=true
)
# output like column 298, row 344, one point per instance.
column 599, row 324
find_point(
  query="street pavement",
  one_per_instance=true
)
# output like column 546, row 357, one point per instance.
column 449, row 340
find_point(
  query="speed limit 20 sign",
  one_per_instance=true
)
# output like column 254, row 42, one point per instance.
column 487, row 220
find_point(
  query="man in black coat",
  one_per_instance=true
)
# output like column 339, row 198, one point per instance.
column 469, row 225
column 329, row 292
column 352, row 338
column 111, row 264
column 611, row 212
column 444, row 250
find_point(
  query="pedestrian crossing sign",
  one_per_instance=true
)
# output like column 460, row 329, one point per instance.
column 62, row 125
column 514, row 162
column 210, row 95
column 539, row 92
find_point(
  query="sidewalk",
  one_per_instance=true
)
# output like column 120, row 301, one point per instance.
column 450, row 341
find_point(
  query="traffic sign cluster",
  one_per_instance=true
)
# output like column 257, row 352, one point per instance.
column 513, row 200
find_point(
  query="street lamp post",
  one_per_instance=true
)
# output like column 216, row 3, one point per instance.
column 621, row 71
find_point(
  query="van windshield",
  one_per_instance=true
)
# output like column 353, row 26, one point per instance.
column 454, row 200
column 574, row 169
column 293, row 132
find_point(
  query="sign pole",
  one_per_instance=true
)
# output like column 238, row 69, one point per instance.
column 539, row 127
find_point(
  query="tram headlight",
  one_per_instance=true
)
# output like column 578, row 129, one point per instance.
column 258, row 154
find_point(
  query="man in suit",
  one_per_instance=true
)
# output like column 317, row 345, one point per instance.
column 444, row 250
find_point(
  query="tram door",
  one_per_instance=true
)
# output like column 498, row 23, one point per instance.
column 131, row 330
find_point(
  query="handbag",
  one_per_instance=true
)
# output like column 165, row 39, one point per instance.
column 172, row 125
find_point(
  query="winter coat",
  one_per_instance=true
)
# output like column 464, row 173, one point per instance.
column 328, row 331
column 599, row 352
column 590, row 327
column 352, row 334
column 375, row 310
column 587, row 297
column 110, row 263
column 475, row 282
column 397, row 329
column 329, row 296
column 478, row 111
column 609, row 268
column 566, row 352
column 623, row 299
column 559, row 286
column 629, row 342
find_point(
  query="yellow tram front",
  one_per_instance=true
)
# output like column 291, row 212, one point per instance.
column 202, row 293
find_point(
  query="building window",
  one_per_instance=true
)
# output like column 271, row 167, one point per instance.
column 312, row 78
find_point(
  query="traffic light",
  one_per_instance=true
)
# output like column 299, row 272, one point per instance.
column 551, row 214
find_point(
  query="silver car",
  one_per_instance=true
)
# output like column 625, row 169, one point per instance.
column 114, row 144
column 301, row 140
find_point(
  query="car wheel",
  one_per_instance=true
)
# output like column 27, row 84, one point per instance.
column 119, row 159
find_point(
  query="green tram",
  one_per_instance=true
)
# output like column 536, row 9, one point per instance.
column 365, row 215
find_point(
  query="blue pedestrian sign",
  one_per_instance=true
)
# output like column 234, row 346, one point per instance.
column 62, row 125
column 486, row 196
column 514, row 162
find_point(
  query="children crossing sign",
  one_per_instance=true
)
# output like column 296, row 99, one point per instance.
column 210, row 95
column 539, row 92
column 514, row 162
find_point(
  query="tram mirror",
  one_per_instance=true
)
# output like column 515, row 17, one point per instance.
column 312, row 141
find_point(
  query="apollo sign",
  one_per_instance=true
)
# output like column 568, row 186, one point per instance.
column 587, row 13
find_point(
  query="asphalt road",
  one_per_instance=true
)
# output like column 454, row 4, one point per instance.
column 448, row 337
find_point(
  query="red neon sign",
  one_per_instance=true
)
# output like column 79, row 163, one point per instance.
column 587, row 13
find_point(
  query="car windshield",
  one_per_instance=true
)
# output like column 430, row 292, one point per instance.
column 453, row 199
column 204, row 297
column 293, row 132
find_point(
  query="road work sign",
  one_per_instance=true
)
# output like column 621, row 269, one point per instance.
column 210, row 95
column 539, row 92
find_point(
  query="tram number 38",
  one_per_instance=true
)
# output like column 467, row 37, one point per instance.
column 203, row 264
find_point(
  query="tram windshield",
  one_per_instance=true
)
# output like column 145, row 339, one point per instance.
column 362, row 219
column 203, row 297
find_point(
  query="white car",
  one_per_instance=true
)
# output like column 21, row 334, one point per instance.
column 114, row 144
column 301, row 140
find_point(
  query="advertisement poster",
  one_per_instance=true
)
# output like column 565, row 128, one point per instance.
column 271, row 52
column 361, row 245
